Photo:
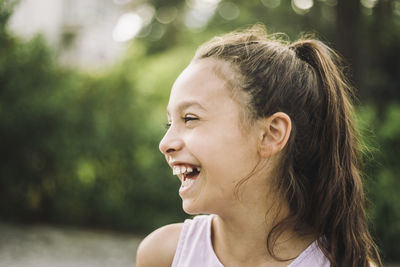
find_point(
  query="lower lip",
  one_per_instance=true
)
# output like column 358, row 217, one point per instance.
column 185, row 190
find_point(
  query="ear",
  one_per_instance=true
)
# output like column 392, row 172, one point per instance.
column 275, row 133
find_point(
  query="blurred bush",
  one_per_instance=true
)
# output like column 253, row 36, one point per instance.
column 82, row 149
column 381, row 140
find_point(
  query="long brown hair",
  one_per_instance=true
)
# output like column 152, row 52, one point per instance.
column 319, row 176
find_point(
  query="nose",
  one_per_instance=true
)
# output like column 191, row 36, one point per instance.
column 170, row 143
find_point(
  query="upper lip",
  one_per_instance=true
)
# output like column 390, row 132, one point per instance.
column 177, row 163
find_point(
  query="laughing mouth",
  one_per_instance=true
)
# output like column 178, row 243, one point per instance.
column 186, row 171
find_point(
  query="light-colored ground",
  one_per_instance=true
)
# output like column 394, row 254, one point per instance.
column 48, row 246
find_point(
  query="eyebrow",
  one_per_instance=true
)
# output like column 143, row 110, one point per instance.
column 185, row 104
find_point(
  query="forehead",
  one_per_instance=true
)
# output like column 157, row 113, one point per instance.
column 201, row 82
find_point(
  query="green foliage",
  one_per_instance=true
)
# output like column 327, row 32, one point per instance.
column 381, row 137
column 82, row 149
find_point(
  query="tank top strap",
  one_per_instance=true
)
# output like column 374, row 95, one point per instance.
column 194, row 246
column 311, row 256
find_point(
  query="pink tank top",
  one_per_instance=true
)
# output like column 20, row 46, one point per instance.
column 195, row 248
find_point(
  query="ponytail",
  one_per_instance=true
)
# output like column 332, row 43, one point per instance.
column 339, row 214
column 319, row 176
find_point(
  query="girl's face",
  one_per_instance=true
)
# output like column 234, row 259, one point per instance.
column 204, row 145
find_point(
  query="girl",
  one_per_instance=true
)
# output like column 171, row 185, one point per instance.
column 261, row 136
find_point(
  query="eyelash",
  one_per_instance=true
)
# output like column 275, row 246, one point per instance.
column 185, row 119
column 189, row 118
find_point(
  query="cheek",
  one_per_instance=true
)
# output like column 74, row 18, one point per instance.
column 204, row 140
column 224, row 148
column 195, row 141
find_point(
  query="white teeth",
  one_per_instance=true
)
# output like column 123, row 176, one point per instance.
column 187, row 182
column 176, row 170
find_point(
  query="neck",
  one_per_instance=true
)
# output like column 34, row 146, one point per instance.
column 240, row 238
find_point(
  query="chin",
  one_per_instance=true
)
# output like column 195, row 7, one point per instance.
column 190, row 208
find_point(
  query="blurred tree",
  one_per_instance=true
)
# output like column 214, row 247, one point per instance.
column 385, row 58
column 348, row 30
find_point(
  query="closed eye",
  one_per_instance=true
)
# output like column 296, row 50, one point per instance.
column 188, row 118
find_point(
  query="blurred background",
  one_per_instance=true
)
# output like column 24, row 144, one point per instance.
column 83, row 91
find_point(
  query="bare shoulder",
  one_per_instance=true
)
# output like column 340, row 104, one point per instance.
column 158, row 248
